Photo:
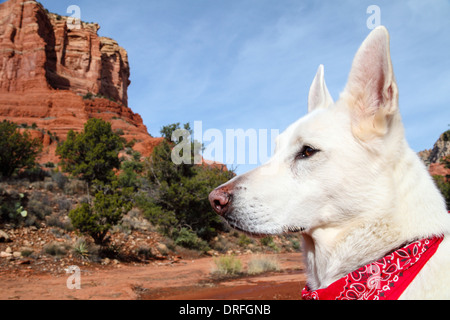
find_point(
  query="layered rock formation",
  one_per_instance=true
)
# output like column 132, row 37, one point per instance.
column 432, row 157
column 44, row 50
column 54, row 77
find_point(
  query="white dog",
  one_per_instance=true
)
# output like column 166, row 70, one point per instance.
column 374, row 224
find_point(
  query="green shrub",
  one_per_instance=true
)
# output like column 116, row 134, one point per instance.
column 49, row 165
column 64, row 204
column 145, row 252
column 446, row 135
column 261, row 264
column 56, row 249
column 268, row 242
column 59, row 220
column 222, row 244
column 34, row 174
column 296, row 244
column 81, row 249
column 188, row 239
column 165, row 220
column 244, row 240
column 97, row 219
column 227, row 266
column 60, row 179
column 75, row 187
column 444, row 187
column 39, row 209
column 11, row 206
column 50, row 186
column 177, row 195
column 92, row 154
column 17, row 150
column 130, row 172
column 88, row 96
column 26, row 252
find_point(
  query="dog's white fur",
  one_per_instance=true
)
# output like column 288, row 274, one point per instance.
column 364, row 194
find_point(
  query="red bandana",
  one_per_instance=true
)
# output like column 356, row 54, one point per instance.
column 385, row 279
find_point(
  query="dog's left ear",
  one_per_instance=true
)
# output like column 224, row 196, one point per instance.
column 371, row 91
column 319, row 96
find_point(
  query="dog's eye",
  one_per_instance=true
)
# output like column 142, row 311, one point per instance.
column 306, row 152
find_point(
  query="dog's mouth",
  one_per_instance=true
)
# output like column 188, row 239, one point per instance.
column 285, row 230
column 239, row 227
column 250, row 234
column 294, row 230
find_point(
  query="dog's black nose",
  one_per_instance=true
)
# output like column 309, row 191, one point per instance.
column 220, row 200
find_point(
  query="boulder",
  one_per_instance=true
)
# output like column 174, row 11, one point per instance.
column 4, row 237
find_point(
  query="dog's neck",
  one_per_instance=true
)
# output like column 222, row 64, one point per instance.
column 417, row 211
column 332, row 253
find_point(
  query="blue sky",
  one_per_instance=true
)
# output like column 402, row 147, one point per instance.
column 249, row 63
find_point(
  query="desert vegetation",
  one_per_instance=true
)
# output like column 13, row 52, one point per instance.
column 17, row 150
column 231, row 266
column 105, row 203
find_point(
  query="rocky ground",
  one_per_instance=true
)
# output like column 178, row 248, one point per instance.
column 50, row 250
column 36, row 250
column 34, row 264
column 166, row 280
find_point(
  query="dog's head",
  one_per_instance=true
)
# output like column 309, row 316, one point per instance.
column 328, row 166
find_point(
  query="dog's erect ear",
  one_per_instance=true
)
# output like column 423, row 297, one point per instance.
column 371, row 91
column 319, row 96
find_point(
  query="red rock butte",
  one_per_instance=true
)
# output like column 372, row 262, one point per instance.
column 54, row 77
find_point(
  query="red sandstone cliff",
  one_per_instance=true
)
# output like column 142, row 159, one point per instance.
column 432, row 158
column 46, row 68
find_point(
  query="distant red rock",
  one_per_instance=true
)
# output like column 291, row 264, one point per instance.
column 54, row 79
column 438, row 169
column 432, row 157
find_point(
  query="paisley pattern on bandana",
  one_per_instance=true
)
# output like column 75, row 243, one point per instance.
column 385, row 279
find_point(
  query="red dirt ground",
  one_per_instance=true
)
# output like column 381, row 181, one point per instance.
column 184, row 280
